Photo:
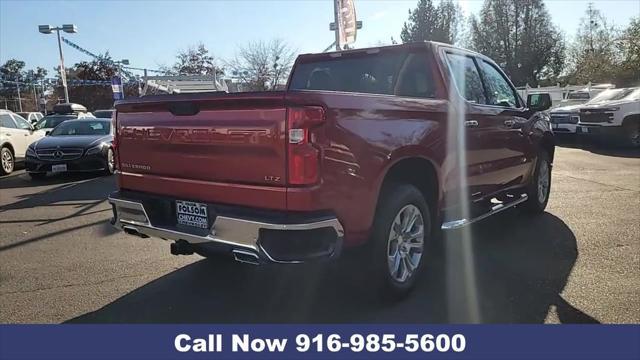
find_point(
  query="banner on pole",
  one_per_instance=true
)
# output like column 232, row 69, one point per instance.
column 116, row 86
column 348, row 23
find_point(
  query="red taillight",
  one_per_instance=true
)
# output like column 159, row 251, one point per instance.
column 304, row 158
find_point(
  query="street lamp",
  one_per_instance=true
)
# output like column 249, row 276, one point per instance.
column 68, row 28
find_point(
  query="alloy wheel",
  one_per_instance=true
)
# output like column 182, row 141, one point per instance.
column 543, row 181
column 405, row 244
column 110, row 161
column 7, row 161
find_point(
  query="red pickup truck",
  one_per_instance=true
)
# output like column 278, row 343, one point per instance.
column 383, row 146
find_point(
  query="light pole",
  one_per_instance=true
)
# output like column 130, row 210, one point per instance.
column 68, row 28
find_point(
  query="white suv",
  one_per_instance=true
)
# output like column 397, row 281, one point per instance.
column 16, row 134
column 617, row 120
column 565, row 119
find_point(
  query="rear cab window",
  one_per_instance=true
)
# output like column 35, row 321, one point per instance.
column 400, row 73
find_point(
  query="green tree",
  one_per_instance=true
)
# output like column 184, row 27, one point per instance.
column 103, row 68
column 520, row 37
column 195, row 61
column 35, row 75
column 428, row 22
column 593, row 55
column 12, row 70
column 629, row 46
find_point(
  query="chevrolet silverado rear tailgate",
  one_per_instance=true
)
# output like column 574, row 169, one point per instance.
column 202, row 145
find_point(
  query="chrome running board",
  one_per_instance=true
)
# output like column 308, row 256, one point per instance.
column 457, row 224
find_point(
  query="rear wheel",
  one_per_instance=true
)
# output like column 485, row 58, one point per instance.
column 540, row 185
column 401, row 231
column 7, row 161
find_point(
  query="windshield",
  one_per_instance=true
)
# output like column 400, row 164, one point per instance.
column 82, row 127
column 103, row 114
column 633, row 95
column 52, row 121
column 578, row 96
column 611, row 94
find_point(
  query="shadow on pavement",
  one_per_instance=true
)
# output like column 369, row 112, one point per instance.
column 83, row 196
column 596, row 147
column 521, row 266
column 75, row 188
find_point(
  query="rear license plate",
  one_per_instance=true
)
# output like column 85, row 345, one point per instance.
column 584, row 130
column 192, row 214
column 59, row 168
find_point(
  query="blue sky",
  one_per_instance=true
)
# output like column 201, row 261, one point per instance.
column 149, row 33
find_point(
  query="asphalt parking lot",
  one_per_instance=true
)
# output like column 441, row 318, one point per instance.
column 60, row 261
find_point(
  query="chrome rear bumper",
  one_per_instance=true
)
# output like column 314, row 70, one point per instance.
column 241, row 236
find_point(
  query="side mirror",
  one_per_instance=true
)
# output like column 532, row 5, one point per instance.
column 46, row 133
column 539, row 102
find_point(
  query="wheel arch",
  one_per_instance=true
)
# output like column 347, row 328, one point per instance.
column 8, row 145
column 630, row 117
column 418, row 171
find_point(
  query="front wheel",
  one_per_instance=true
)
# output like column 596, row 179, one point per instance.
column 540, row 186
column 7, row 161
column 110, row 163
column 401, row 231
column 632, row 130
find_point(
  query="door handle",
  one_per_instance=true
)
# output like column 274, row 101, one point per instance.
column 471, row 123
column 509, row 123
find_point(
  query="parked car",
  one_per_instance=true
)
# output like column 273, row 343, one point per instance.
column 63, row 112
column 378, row 146
column 616, row 121
column 81, row 145
column 565, row 119
column 15, row 136
column 103, row 114
column 31, row 117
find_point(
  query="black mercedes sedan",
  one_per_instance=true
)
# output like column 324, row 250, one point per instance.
column 81, row 145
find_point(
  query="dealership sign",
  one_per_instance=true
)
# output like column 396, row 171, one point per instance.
column 345, row 25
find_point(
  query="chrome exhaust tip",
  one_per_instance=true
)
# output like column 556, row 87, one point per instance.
column 246, row 257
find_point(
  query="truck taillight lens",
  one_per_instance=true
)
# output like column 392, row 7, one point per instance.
column 304, row 158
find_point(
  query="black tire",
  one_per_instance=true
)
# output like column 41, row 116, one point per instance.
column 7, row 161
column 394, row 199
column 538, row 194
column 631, row 130
column 109, row 166
column 37, row 176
